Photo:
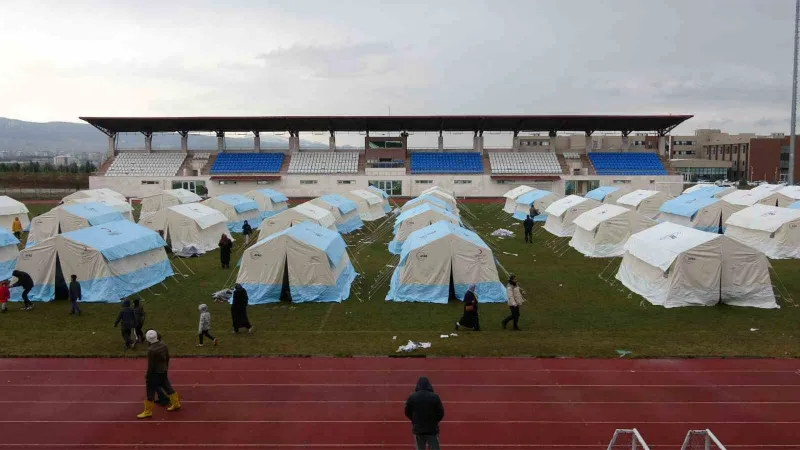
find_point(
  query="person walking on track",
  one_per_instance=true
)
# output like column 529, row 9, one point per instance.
column 157, row 376
column 424, row 409
column 515, row 300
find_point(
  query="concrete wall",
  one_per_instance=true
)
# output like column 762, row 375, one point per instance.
column 296, row 185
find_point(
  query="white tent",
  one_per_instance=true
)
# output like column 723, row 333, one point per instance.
column 417, row 218
column 709, row 190
column 343, row 210
column 644, row 202
column 122, row 206
column 192, row 228
column 111, row 261
column 561, row 214
column 270, row 202
column 440, row 189
column 511, row 197
column 308, row 261
column 430, row 199
column 387, row 208
column 603, row 231
column 9, row 251
column 165, row 199
column 696, row 211
column 608, row 194
column 305, row 212
column 70, row 217
column 9, row 209
column 370, row 206
column 765, row 194
column 445, row 195
column 785, row 196
column 770, row 229
column 539, row 198
column 439, row 254
column 237, row 208
column 673, row 265
column 94, row 193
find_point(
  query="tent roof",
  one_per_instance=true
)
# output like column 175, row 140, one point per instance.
column 273, row 195
column 440, row 190
column 117, row 240
column 328, row 241
column 600, row 193
column 686, row 205
column 239, row 202
column 377, row 192
column 704, row 190
column 660, row 245
column 529, row 197
column 438, row 230
column 315, row 212
column 636, row 197
column 96, row 213
column 419, row 209
column 748, row 198
column 560, row 206
column 108, row 201
column 371, row 198
column 7, row 238
column 184, row 195
column 517, row 191
column 9, row 206
column 342, row 204
column 590, row 219
column 763, row 217
column 427, row 197
column 792, row 192
column 768, row 187
column 204, row 216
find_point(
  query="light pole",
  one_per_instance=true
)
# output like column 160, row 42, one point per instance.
column 794, row 95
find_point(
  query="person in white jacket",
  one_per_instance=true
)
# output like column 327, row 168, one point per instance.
column 514, row 301
column 205, row 325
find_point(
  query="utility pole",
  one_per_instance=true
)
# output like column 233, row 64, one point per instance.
column 792, row 139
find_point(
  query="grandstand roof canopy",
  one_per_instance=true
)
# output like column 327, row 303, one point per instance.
column 591, row 123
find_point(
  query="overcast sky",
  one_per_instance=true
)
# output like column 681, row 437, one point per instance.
column 728, row 62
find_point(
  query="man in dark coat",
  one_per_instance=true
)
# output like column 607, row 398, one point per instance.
column 239, row 309
column 157, row 377
column 26, row 283
column 225, row 246
column 247, row 230
column 528, row 224
column 127, row 318
column 75, row 295
column 424, row 409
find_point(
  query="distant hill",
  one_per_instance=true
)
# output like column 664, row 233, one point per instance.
column 67, row 137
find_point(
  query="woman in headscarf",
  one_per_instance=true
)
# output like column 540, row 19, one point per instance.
column 470, row 317
column 225, row 246
column 239, row 309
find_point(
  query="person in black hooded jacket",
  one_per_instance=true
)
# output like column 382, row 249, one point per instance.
column 26, row 283
column 424, row 409
column 127, row 318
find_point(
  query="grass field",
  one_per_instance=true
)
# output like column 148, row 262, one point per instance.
column 575, row 308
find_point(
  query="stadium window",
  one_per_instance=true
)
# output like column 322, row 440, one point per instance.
column 226, row 182
column 621, row 182
column 346, row 182
column 262, row 182
column 149, row 182
column 423, row 181
column 462, row 181
column 652, row 181
column 308, row 181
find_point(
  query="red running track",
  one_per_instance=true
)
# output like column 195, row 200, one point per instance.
column 328, row 403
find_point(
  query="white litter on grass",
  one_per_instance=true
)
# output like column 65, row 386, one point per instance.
column 503, row 233
column 513, row 254
column 394, row 338
column 444, row 336
column 411, row 346
column 453, row 334
column 389, row 265
column 753, row 329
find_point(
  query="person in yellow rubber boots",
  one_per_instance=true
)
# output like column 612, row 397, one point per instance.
column 156, row 377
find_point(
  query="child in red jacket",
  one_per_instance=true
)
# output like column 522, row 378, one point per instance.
column 5, row 295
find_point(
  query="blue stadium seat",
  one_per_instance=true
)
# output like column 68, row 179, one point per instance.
column 247, row 163
column 467, row 162
column 627, row 163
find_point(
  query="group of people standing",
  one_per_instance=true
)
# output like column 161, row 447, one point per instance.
column 470, row 319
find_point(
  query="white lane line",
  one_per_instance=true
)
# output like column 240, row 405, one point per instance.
column 375, row 422
column 422, row 369
column 380, row 402
column 381, row 446
column 406, row 385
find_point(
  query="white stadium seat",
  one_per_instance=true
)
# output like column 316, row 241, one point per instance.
column 520, row 162
column 323, row 162
column 572, row 156
column 146, row 164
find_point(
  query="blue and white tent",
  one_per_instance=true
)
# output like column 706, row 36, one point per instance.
column 607, row 194
column 313, row 259
column 270, row 202
column 696, row 211
column 111, row 261
column 8, row 253
column 540, row 199
column 66, row 218
column 709, row 190
column 417, row 218
column 345, row 212
column 387, row 208
column 427, row 198
column 795, row 205
column 237, row 208
column 433, row 256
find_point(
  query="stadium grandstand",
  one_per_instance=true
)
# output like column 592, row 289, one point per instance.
column 561, row 154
